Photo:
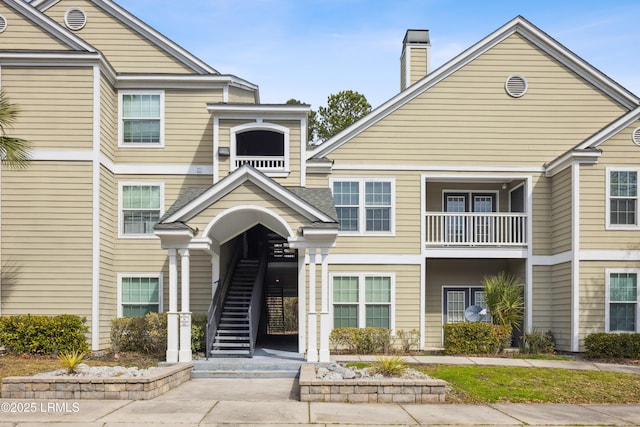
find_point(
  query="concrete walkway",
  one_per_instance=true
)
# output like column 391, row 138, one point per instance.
column 274, row 402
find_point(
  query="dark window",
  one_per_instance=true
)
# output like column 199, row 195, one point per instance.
column 260, row 143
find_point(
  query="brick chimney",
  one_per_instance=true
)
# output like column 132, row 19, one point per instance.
column 414, row 62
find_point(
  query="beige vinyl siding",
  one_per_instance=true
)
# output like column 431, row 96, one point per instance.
column 126, row 50
column 108, row 233
column 40, row 92
column 418, row 64
column 542, row 301
column 541, row 217
column 468, row 119
column 561, row 305
column 47, row 259
column 200, row 276
column 108, row 119
column 188, row 132
column 456, row 273
column 561, row 212
column 241, row 95
column 619, row 151
column 249, row 194
column 22, row 34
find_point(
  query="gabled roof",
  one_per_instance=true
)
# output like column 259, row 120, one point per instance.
column 50, row 26
column 517, row 25
column 615, row 127
column 316, row 205
column 146, row 31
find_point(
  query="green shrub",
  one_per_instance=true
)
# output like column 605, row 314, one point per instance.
column 361, row 340
column 146, row 334
column 537, row 342
column 198, row 331
column 504, row 296
column 603, row 345
column 475, row 338
column 44, row 334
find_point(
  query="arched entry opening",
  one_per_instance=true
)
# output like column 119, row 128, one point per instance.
column 254, row 303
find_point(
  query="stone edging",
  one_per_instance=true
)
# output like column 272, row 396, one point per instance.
column 386, row 390
column 141, row 388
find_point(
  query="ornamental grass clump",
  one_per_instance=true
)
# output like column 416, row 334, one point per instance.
column 71, row 360
column 392, row 366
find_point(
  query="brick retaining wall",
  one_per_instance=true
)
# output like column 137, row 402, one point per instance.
column 386, row 390
column 114, row 388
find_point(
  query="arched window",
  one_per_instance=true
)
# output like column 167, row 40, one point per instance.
column 265, row 146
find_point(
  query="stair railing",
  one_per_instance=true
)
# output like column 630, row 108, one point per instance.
column 215, row 308
column 256, row 302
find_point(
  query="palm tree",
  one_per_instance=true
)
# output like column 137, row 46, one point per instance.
column 14, row 152
column 504, row 298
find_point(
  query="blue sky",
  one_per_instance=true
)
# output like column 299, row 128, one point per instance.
column 309, row 49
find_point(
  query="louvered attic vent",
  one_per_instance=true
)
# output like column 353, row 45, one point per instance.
column 516, row 86
column 75, row 19
column 3, row 24
column 635, row 136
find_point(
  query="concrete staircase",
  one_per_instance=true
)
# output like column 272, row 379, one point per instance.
column 232, row 338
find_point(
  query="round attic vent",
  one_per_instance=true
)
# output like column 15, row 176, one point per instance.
column 3, row 24
column 75, row 19
column 635, row 136
column 516, row 86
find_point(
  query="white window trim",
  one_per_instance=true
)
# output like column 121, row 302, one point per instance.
column 469, row 194
column 121, row 184
column 443, row 293
column 285, row 131
column 121, row 143
column 362, row 216
column 362, row 310
column 610, row 226
column 607, row 314
column 158, row 276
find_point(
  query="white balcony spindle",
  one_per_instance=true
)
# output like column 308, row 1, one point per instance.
column 475, row 229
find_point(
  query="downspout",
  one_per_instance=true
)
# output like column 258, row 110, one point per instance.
column 575, row 251
column 95, row 270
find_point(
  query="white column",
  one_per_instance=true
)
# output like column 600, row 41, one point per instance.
column 172, row 315
column 312, row 345
column 302, row 298
column 325, row 324
column 185, row 313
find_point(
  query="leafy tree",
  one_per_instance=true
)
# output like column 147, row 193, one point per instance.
column 343, row 109
column 311, row 123
column 15, row 152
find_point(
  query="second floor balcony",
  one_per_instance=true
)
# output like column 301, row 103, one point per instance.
column 497, row 229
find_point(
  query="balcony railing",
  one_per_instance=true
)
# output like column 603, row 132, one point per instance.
column 263, row 163
column 476, row 229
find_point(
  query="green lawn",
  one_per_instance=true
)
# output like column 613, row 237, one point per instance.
column 477, row 384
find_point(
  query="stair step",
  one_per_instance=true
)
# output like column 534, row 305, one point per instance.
column 231, row 338
column 233, row 331
column 231, row 345
column 231, row 352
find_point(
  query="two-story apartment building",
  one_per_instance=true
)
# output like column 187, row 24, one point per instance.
column 159, row 184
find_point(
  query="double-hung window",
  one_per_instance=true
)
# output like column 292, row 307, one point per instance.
column 140, row 208
column 622, row 205
column 141, row 119
column 139, row 294
column 364, row 206
column 622, row 301
column 363, row 300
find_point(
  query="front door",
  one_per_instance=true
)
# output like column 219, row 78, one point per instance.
column 457, row 300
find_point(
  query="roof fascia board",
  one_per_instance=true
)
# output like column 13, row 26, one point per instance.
column 49, row 25
column 262, row 109
column 569, row 158
column 611, row 130
column 155, row 37
column 181, row 81
column 233, row 181
column 517, row 25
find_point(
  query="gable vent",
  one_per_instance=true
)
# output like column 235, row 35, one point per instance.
column 3, row 24
column 635, row 136
column 516, row 86
column 75, row 19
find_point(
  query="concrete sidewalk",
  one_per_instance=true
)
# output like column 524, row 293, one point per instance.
column 271, row 401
